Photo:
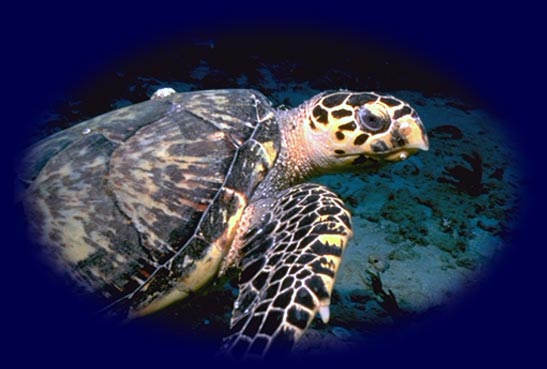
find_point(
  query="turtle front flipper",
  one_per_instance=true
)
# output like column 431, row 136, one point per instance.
column 289, row 264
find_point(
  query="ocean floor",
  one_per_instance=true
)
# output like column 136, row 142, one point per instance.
column 425, row 230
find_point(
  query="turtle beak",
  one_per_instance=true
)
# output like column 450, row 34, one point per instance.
column 413, row 134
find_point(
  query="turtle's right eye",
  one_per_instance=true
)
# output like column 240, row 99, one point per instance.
column 370, row 121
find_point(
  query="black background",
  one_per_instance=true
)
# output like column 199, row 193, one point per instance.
column 491, row 51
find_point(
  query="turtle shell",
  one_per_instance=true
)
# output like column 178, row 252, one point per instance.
column 115, row 197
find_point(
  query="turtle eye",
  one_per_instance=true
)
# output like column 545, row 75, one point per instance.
column 370, row 121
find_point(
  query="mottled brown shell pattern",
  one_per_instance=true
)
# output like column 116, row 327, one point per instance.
column 114, row 198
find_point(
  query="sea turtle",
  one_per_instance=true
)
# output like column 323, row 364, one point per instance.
column 148, row 203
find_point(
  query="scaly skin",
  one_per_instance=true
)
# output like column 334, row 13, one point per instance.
column 291, row 238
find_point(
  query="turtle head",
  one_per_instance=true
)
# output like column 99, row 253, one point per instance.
column 349, row 129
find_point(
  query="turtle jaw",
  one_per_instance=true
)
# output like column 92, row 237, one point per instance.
column 420, row 143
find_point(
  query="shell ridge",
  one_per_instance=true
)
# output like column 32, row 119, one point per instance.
column 251, row 141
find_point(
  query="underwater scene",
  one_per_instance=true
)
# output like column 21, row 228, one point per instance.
column 426, row 230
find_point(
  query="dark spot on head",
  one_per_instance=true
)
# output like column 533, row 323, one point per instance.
column 348, row 126
column 390, row 102
column 397, row 140
column 312, row 125
column 361, row 139
column 334, row 100
column 360, row 99
column 340, row 135
column 405, row 110
column 320, row 114
column 341, row 113
column 340, row 152
column 379, row 146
